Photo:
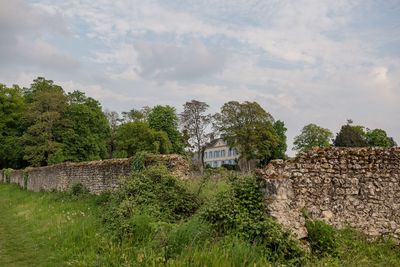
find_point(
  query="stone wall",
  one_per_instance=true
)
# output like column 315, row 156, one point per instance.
column 356, row 187
column 97, row 176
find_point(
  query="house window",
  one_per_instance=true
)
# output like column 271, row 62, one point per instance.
column 234, row 152
column 222, row 153
column 210, row 154
column 205, row 155
column 229, row 152
column 216, row 154
column 215, row 164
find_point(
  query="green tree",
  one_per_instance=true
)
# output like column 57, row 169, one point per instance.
column 378, row 137
column 133, row 137
column 12, row 107
column 280, row 130
column 136, row 114
column 164, row 118
column 113, row 122
column 311, row 136
column 351, row 136
column 195, row 121
column 83, row 129
column 249, row 128
column 45, row 104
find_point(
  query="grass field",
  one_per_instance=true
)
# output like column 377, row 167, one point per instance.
column 52, row 229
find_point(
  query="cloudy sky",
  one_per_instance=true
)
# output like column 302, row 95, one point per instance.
column 304, row 61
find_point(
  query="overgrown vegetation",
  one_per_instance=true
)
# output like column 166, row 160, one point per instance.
column 158, row 220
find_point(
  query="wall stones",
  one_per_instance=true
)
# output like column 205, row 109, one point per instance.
column 97, row 176
column 357, row 187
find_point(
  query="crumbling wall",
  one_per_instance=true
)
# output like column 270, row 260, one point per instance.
column 97, row 176
column 356, row 187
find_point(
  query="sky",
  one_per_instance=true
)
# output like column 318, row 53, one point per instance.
column 304, row 61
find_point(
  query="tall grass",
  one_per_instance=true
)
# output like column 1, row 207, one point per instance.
column 53, row 229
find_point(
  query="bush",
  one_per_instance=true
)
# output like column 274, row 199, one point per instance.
column 322, row 238
column 26, row 178
column 231, row 167
column 240, row 211
column 139, row 161
column 7, row 175
column 78, row 189
column 154, row 191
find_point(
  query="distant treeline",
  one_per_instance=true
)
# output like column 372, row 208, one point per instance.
column 43, row 125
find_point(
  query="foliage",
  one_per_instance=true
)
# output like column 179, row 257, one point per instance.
column 113, row 122
column 351, row 136
column 356, row 136
column 188, row 234
column 378, row 137
column 153, row 192
column 311, row 136
column 48, row 229
column 133, row 137
column 78, row 189
column 139, row 161
column 280, row 129
column 136, row 115
column 25, row 175
column 240, row 211
column 322, row 238
column 83, row 129
column 164, row 118
column 12, row 108
column 7, row 174
column 194, row 121
column 248, row 127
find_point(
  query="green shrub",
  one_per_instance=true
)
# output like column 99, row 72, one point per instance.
column 153, row 190
column 103, row 198
column 139, row 161
column 7, row 175
column 322, row 238
column 240, row 211
column 26, row 178
column 78, row 189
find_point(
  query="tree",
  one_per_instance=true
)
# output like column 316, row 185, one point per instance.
column 45, row 104
column 136, row 114
column 133, row 137
column 311, row 136
column 12, row 108
column 280, row 130
column 113, row 122
column 164, row 118
column 378, row 137
column 195, row 121
column 351, row 136
column 249, row 128
column 83, row 129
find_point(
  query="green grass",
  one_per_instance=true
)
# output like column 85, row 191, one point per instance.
column 47, row 229
column 52, row 229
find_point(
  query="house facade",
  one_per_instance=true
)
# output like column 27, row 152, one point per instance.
column 217, row 153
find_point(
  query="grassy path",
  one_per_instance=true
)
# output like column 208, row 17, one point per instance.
column 39, row 229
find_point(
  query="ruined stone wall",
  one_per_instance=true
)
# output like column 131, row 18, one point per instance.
column 97, row 176
column 356, row 187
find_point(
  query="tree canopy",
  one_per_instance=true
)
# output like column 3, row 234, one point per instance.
column 133, row 137
column 249, row 128
column 311, row 136
column 194, row 121
column 358, row 136
column 12, row 108
column 164, row 118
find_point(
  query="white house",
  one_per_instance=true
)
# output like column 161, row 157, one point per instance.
column 217, row 152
